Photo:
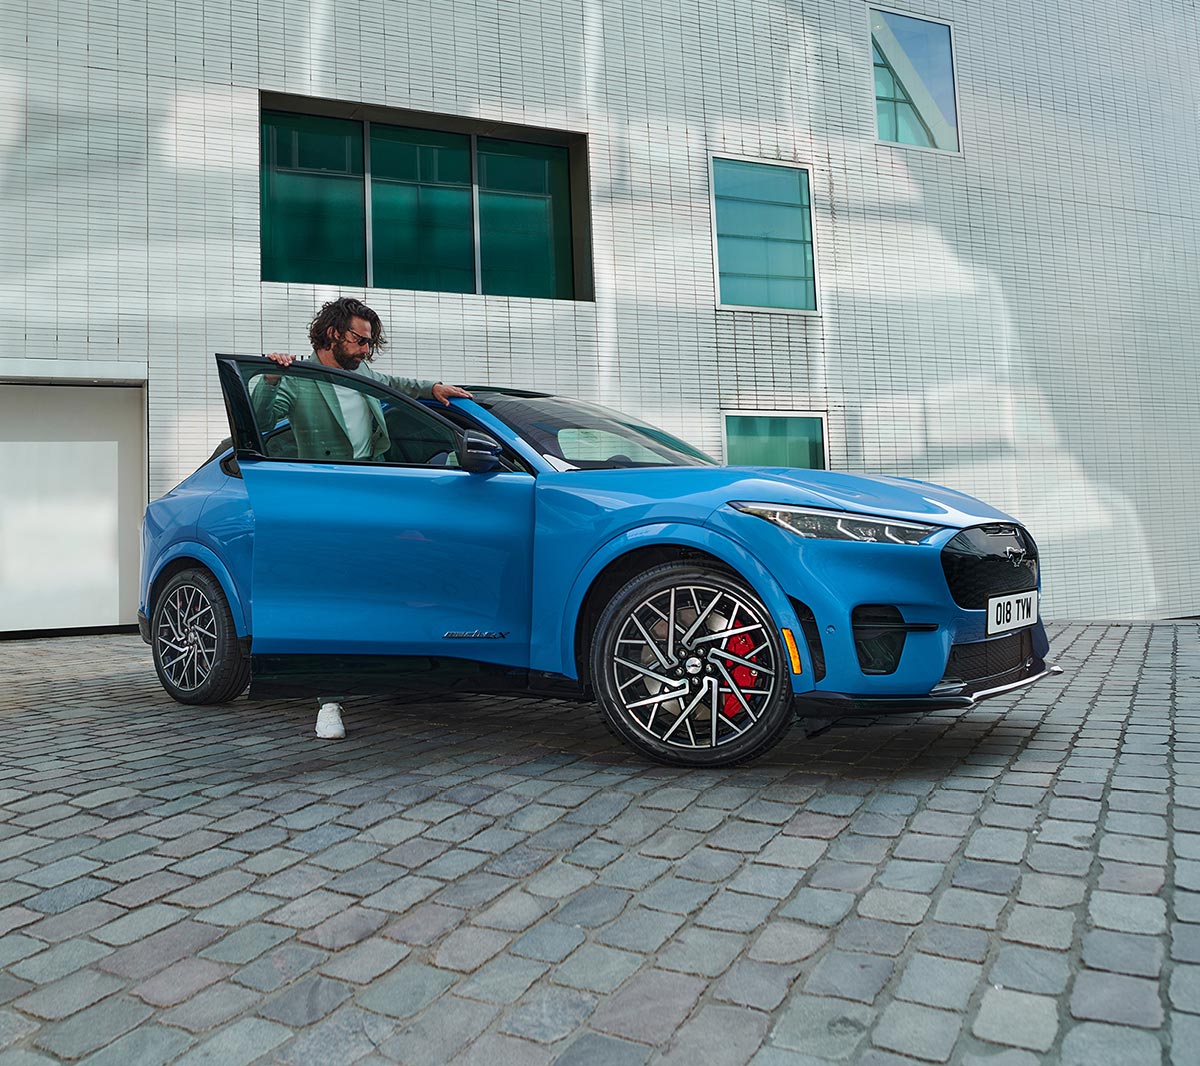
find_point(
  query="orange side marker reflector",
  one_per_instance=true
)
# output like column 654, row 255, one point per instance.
column 793, row 651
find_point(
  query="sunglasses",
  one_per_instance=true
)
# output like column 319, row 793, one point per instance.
column 358, row 338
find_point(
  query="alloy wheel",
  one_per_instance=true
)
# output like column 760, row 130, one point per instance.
column 187, row 637
column 694, row 666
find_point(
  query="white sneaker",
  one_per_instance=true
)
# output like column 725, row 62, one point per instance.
column 329, row 722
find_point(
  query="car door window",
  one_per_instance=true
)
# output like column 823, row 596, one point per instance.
column 318, row 416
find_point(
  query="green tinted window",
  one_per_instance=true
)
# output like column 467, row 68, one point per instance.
column 424, row 186
column 421, row 215
column 313, row 217
column 525, row 219
column 764, row 235
column 914, row 81
column 775, row 440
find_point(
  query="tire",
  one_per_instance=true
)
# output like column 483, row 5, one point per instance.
column 745, row 702
column 197, row 654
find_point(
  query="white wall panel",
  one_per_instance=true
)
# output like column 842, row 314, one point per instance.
column 1017, row 320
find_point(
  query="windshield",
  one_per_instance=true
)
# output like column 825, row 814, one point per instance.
column 574, row 435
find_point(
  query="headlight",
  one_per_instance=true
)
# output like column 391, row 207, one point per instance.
column 839, row 525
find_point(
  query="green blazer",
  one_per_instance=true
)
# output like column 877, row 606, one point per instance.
column 318, row 427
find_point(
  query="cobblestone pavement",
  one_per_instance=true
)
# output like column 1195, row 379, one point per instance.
column 498, row 881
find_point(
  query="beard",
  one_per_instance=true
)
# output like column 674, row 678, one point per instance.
column 347, row 358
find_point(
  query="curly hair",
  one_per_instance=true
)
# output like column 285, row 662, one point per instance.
column 336, row 315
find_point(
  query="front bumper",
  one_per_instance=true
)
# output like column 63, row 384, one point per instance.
column 840, row 704
column 144, row 626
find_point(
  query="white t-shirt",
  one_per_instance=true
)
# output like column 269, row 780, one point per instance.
column 357, row 416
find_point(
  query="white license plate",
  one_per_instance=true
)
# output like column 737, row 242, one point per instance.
column 1012, row 612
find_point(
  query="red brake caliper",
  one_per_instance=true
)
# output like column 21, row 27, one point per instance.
column 739, row 644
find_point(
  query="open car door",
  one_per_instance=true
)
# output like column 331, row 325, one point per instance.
column 375, row 551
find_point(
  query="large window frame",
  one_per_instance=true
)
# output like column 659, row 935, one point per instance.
column 574, row 143
column 958, row 114
column 804, row 312
column 742, row 412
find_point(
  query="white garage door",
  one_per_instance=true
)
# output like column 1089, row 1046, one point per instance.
column 72, row 492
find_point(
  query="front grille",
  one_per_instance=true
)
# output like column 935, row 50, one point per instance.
column 990, row 560
column 990, row 660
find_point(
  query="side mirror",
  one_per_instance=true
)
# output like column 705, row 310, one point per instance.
column 477, row 452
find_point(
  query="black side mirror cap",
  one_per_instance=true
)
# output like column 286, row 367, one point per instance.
column 478, row 453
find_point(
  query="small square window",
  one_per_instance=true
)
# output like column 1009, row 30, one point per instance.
column 914, row 81
column 764, row 242
column 775, row 439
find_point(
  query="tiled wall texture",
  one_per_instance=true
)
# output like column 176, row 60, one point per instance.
column 1018, row 320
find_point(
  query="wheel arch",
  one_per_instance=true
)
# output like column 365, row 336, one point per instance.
column 184, row 556
column 624, row 557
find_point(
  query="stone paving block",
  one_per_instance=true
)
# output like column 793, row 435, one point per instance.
column 649, row 1007
column 817, row 906
column 938, row 982
column 406, row 991
column 1127, row 913
column 1040, row 926
column 959, row 906
column 305, row 1002
column 872, row 935
column 850, row 975
column 640, row 929
column 66, row 896
column 593, row 907
column 1091, row 1044
column 548, row 941
column 515, row 911
column 239, row 1044
column 677, row 895
column 1133, row 849
column 787, row 942
column 448, row 1026
column 180, row 981
column 1128, row 877
column 1017, row 1019
column 1183, row 991
column 891, row 905
column 1050, row 890
column 468, row 948
column 596, row 968
column 548, row 1015
column 823, row 1028
column 68, row 995
column 705, row 952
column 245, row 944
column 342, row 930
column 918, row 1031
column 91, row 1029
column 735, row 912
column 474, row 890
column 997, row 877
column 147, row 1045
column 710, row 866
column 717, row 1036
column 1106, row 997
column 494, row 1048
column 1124, row 953
column 1029, row 969
column 954, row 942
column 424, row 924
column 503, row 980
column 596, row 1049
column 280, row 967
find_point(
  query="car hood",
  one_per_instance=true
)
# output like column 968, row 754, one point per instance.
column 693, row 493
column 895, row 497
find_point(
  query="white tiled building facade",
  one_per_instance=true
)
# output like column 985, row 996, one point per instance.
column 1017, row 320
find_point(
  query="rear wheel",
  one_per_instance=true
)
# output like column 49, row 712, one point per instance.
column 688, row 667
column 197, row 653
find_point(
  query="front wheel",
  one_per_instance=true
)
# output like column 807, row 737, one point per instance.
column 197, row 653
column 688, row 668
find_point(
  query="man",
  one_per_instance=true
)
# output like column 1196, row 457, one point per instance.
column 338, row 423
